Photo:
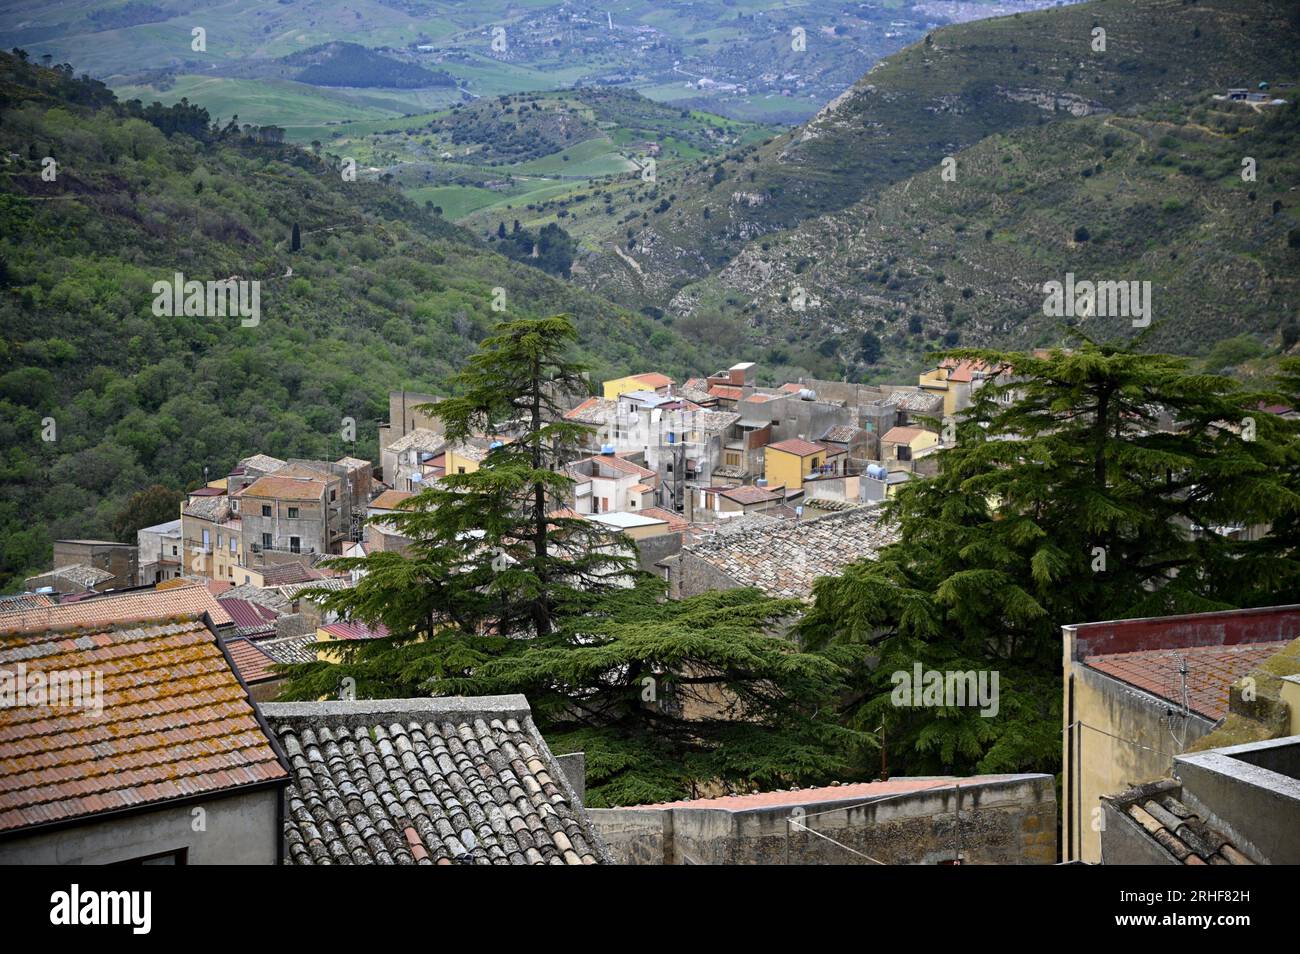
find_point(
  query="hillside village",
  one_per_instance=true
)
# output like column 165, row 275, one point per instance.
column 713, row 484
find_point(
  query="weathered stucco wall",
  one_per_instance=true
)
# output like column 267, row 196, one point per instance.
column 242, row 829
column 1010, row 821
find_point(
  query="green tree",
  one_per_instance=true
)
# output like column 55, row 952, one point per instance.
column 147, row 508
column 500, row 593
column 1075, row 501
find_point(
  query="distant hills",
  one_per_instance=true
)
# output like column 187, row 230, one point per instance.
column 1049, row 136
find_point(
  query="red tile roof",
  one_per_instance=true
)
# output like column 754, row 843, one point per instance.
column 676, row 522
column 355, row 631
column 751, row 494
column 276, row 487
column 800, row 448
column 726, row 391
column 182, row 600
column 1210, row 671
column 248, row 615
column 252, row 664
column 654, row 380
column 902, row 435
column 284, row 574
column 175, row 722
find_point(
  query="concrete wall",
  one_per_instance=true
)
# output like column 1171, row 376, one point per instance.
column 1252, row 793
column 691, row 576
column 120, row 559
column 241, row 829
column 1100, row 764
column 1011, row 821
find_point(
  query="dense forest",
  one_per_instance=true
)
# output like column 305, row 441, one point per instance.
column 100, row 398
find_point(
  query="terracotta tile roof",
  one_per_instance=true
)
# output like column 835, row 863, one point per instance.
column 249, row 616
column 132, row 606
column 427, row 781
column 595, row 410
column 749, row 494
column 1210, row 671
column 354, row 463
column 903, row 435
column 24, row 601
column 355, row 631
column 389, row 499
column 251, row 662
column 653, row 380
column 856, row 791
column 791, row 387
column 800, row 448
column 726, row 391
column 285, row 488
column 175, row 723
column 784, row 557
column 285, row 573
column 614, row 462
column 676, row 522
column 1157, row 809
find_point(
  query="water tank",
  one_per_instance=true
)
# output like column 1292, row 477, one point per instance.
column 761, row 482
column 494, row 445
column 877, row 471
column 607, row 449
column 807, row 394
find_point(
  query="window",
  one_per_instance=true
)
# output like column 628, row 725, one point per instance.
column 266, row 510
column 266, row 540
column 333, row 494
column 293, row 513
column 233, row 545
column 173, row 551
column 295, row 544
column 460, row 470
column 207, row 539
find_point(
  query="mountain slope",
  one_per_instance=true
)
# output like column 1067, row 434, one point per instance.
column 1157, row 196
column 383, row 294
column 959, row 85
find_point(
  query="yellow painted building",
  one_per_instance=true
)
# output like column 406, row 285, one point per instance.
column 651, row 381
column 789, row 463
column 904, row 443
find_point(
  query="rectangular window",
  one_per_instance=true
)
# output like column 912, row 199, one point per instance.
column 207, row 540
column 295, row 544
column 333, row 494
column 233, row 542
column 293, row 513
column 266, row 540
column 266, row 510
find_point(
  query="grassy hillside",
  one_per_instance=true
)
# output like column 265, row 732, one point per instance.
column 957, row 86
column 382, row 294
column 1157, row 195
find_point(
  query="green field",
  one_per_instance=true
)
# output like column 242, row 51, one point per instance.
column 289, row 104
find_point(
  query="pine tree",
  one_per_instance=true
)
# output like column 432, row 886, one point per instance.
column 500, row 593
column 1100, row 491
